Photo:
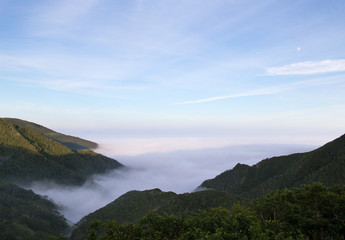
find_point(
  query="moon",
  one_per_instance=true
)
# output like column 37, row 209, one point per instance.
column 298, row 49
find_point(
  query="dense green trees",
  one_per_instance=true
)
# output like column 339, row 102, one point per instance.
column 26, row 215
column 217, row 223
column 134, row 205
column 308, row 212
column 315, row 210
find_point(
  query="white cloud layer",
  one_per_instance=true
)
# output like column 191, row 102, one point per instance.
column 258, row 92
column 179, row 171
column 309, row 67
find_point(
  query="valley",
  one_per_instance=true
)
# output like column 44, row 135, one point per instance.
column 34, row 161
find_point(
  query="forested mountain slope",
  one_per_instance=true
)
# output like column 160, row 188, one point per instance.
column 134, row 205
column 71, row 142
column 27, row 155
column 27, row 216
column 325, row 164
column 313, row 212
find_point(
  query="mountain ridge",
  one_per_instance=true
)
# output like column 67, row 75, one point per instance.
column 133, row 205
column 74, row 143
column 27, row 155
column 325, row 164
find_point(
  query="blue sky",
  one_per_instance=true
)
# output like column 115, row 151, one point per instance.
column 251, row 70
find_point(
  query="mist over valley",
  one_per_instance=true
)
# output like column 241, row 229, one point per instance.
column 178, row 171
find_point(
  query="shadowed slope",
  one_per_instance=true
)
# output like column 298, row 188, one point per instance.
column 325, row 164
column 134, row 205
column 26, row 215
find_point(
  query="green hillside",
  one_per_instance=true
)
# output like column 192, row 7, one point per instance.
column 134, row 205
column 71, row 142
column 325, row 164
column 27, row 216
column 27, row 155
column 313, row 212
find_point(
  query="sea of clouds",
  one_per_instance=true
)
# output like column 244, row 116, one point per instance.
column 179, row 171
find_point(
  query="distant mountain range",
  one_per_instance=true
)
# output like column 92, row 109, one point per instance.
column 27, row 154
column 325, row 164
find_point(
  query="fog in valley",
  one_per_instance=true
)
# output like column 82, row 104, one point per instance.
column 178, row 171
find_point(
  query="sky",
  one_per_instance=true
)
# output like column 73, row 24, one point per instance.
column 176, row 75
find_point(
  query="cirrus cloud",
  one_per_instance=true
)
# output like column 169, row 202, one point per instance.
column 257, row 92
column 308, row 68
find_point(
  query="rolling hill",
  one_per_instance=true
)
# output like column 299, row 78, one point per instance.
column 134, row 205
column 26, row 155
column 71, row 142
column 311, row 211
column 325, row 164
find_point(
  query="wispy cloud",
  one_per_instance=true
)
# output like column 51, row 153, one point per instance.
column 309, row 67
column 270, row 91
column 16, row 63
column 267, row 91
column 55, row 17
column 63, row 72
